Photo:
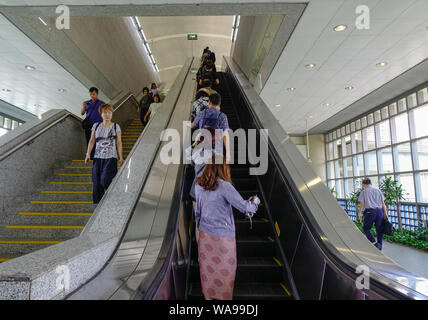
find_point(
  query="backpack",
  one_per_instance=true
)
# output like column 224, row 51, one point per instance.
column 110, row 135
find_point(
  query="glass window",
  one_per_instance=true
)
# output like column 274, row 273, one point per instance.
column 377, row 116
column 385, row 113
column 382, row 134
column 337, row 151
column 423, row 182
column 357, row 142
column 334, row 135
column 332, row 184
column 369, row 138
column 393, row 107
column 406, row 181
column 338, row 168
column 400, row 128
column 331, row 151
column 403, row 158
column 385, row 164
column 339, row 189
column 402, row 105
column 347, row 165
column 411, row 101
column 348, row 146
column 342, row 131
column 7, row 123
column 364, row 122
column 419, row 118
column 348, row 129
column 1, row 121
column 349, row 187
column 375, row 181
column 14, row 124
column 370, row 163
column 358, row 124
column 358, row 165
column 370, row 119
column 420, row 149
column 423, row 96
column 330, row 170
column 352, row 126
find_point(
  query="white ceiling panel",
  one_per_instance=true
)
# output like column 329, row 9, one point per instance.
column 34, row 91
column 397, row 35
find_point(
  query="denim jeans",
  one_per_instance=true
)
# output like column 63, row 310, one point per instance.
column 103, row 172
column 374, row 216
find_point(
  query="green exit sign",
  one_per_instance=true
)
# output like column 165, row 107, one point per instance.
column 192, row 37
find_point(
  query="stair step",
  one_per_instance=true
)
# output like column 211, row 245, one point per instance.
column 249, row 291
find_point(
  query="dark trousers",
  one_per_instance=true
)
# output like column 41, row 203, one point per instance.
column 374, row 216
column 88, row 132
column 103, row 172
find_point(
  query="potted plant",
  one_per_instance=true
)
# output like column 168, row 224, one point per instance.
column 394, row 194
column 353, row 199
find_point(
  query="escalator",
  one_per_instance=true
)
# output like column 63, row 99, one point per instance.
column 261, row 271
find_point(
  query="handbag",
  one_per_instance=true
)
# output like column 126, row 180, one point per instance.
column 388, row 229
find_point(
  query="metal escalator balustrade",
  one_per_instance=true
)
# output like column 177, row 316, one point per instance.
column 260, row 270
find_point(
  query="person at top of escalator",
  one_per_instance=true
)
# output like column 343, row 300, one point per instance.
column 215, row 197
column 107, row 138
column 90, row 107
column 144, row 105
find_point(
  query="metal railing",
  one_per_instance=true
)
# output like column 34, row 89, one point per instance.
column 413, row 215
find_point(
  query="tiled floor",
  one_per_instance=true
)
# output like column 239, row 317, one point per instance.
column 414, row 260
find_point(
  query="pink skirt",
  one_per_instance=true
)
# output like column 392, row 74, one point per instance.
column 217, row 265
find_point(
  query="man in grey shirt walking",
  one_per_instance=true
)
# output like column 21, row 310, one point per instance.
column 375, row 211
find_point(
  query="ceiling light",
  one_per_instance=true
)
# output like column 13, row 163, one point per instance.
column 30, row 68
column 310, row 65
column 277, row 105
column 381, row 64
column 40, row 117
column 326, row 104
column 291, row 89
column 43, row 21
column 340, row 27
column 349, row 88
column 62, row 90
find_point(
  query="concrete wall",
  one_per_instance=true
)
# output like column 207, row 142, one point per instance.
column 113, row 46
column 316, row 152
column 253, row 42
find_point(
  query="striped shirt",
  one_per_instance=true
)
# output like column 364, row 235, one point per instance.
column 105, row 147
column 371, row 198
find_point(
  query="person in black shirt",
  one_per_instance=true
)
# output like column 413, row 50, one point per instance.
column 144, row 105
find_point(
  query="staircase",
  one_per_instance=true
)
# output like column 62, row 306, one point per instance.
column 60, row 210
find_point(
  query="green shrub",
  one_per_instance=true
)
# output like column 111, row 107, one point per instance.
column 416, row 239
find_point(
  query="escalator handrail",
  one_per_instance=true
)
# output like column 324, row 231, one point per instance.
column 327, row 248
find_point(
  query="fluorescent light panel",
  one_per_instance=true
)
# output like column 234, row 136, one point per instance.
column 145, row 43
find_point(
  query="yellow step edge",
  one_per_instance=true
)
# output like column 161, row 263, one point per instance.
column 28, row 242
column 278, row 231
column 69, row 182
column 67, row 192
column 270, row 239
column 62, row 202
column 4, row 259
column 285, row 289
column 55, row 213
column 45, row 227
column 277, row 261
column 74, row 174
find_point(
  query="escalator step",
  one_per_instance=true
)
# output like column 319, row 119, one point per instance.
column 248, row 291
